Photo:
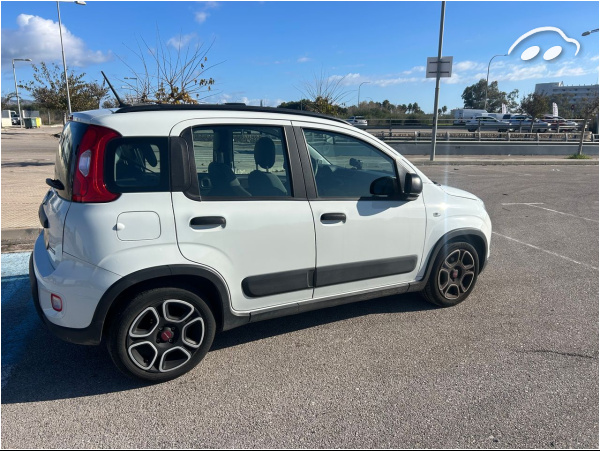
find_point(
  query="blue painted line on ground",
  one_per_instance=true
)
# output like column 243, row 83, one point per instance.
column 18, row 312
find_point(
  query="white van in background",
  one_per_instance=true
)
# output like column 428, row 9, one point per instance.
column 462, row 115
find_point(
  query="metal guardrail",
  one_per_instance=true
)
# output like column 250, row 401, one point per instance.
column 418, row 135
column 427, row 123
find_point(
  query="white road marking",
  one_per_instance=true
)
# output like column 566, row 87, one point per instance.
column 536, row 205
column 546, row 251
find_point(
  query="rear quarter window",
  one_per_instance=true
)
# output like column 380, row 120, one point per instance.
column 136, row 165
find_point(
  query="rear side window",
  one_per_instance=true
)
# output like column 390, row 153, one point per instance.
column 241, row 162
column 65, row 157
column 136, row 165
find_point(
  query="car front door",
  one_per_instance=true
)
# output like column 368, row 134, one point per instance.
column 245, row 213
column 364, row 242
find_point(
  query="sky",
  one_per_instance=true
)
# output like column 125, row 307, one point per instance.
column 268, row 51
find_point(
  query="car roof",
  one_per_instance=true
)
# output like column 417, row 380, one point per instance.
column 139, row 119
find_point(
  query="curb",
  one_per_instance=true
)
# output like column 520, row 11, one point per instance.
column 16, row 240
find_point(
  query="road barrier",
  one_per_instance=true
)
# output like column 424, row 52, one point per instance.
column 418, row 135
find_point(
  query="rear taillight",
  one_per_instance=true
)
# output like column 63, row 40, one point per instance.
column 88, row 181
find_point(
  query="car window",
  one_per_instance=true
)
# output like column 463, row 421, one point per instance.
column 241, row 161
column 136, row 164
column 344, row 166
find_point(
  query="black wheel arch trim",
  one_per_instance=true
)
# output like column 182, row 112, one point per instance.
column 92, row 335
column 452, row 236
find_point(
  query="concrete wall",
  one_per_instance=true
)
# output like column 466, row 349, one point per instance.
column 493, row 148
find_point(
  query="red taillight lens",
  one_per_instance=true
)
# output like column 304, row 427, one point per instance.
column 88, row 180
column 56, row 302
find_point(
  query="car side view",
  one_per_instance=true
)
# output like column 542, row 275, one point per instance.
column 165, row 224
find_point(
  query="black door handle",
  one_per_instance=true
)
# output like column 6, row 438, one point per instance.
column 211, row 221
column 333, row 217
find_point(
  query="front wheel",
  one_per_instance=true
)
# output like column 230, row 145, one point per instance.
column 453, row 275
column 162, row 334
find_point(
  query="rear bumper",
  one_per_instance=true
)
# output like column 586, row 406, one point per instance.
column 79, row 285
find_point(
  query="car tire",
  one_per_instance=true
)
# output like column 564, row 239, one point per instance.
column 471, row 130
column 453, row 275
column 162, row 334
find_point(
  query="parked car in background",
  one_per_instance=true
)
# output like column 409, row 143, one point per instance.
column 487, row 123
column 358, row 121
column 564, row 124
column 523, row 122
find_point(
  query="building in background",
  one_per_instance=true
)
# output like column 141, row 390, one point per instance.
column 577, row 91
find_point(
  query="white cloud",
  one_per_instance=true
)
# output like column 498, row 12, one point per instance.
column 303, row 59
column 39, row 39
column 211, row 5
column 414, row 70
column 201, row 16
column 181, row 41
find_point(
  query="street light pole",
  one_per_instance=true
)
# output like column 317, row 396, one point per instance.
column 62, row 47
column 17, row 89
column 586, row 33
column 358, row 104
column 437, row 84
column 487, row 81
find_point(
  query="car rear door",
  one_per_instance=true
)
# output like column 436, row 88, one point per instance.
column 364, row 242
column 250, row 223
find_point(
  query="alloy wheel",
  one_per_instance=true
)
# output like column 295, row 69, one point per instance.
column 164, row 337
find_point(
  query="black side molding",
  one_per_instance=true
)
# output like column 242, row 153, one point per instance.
column 277, row 283
column 351, row 272
column 288, row 281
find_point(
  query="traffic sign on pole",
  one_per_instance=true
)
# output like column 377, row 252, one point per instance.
column 445, row 67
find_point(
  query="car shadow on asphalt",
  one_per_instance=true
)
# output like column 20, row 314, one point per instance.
column 51, row 369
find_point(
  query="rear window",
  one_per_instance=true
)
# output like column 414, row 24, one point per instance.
column 136, row 165
column 65, row 157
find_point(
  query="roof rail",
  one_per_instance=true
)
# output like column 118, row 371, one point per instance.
column 214, row 107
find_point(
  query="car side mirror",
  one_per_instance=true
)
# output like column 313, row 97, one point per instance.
column 384, row 186
column 413, row 186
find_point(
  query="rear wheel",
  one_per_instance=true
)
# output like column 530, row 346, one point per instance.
column 162, row 334
column 453, row 275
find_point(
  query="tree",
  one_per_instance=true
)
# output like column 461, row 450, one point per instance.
column 563, row 103
column 535, row 105
column 416, row 109
column 325, row 93
column 474, row 97
column 303, row 104
column 588, row 106
column 49, row 89
column 7, row 99
column 173, row 73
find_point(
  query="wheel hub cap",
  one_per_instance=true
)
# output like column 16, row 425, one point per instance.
column 166, row 335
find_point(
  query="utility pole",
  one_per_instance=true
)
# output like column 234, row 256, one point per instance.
column 437, row 84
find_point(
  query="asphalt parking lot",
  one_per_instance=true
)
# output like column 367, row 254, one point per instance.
column 515, row 366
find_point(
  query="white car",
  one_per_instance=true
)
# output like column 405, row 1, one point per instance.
column 358, row 121
column 487, row 123
column 165, row 224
